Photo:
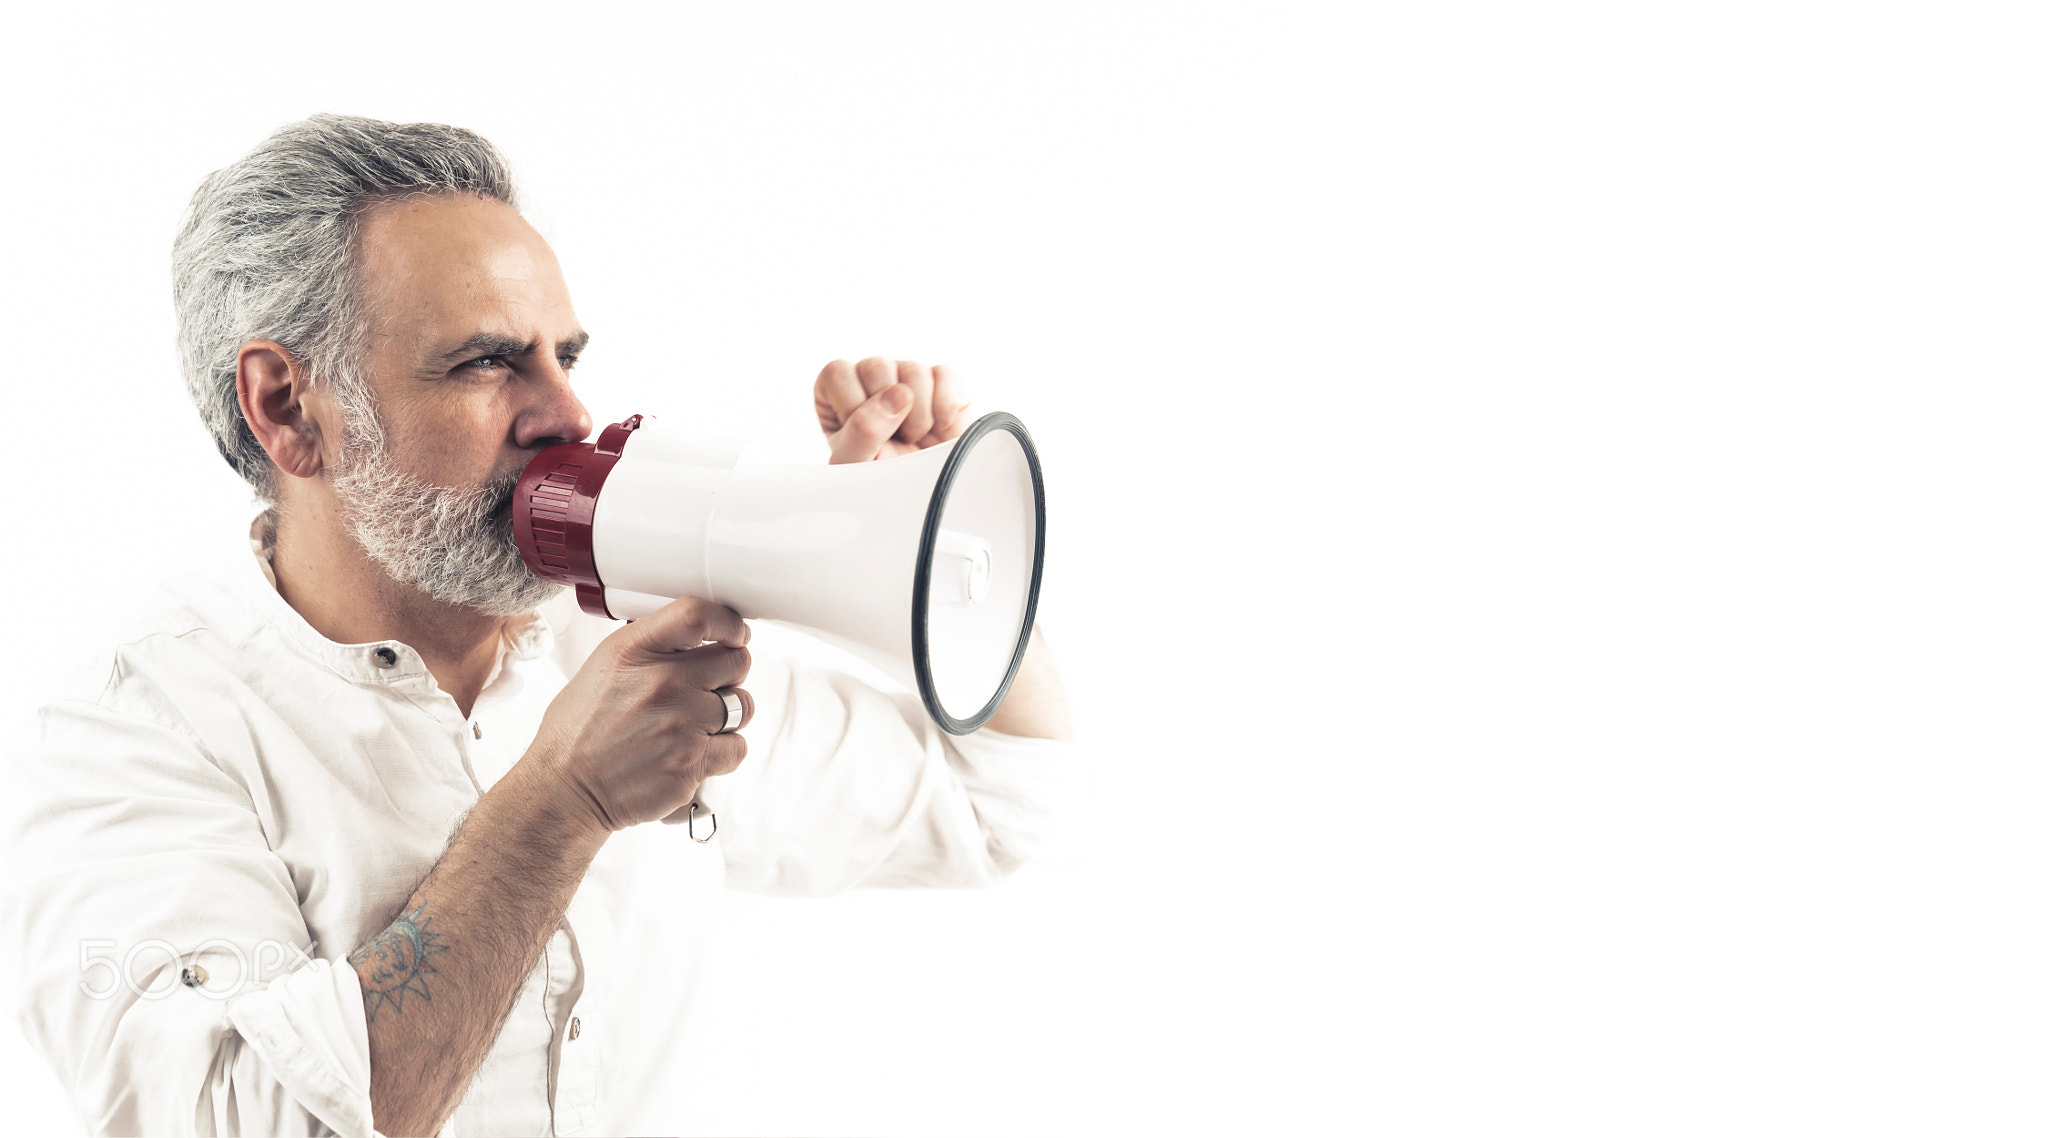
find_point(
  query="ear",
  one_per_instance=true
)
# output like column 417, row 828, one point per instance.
column 273, row 387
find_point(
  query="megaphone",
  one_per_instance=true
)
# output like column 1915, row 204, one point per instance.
column 928, row 564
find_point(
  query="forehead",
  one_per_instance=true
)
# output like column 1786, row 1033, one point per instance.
column 433, row 265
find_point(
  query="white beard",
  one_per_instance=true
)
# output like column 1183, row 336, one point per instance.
column 453, row 543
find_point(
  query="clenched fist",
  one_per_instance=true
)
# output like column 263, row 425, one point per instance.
column 881, row 408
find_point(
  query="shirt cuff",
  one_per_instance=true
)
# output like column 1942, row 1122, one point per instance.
column 309, row 1029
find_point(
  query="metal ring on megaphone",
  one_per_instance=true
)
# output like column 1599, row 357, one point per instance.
column 694, row 807
column 735, row 710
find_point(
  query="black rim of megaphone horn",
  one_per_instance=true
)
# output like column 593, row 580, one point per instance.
column 920, row 597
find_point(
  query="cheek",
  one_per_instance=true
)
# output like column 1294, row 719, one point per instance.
column 459, row 445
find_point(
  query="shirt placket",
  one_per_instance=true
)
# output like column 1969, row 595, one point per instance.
column 481, row 753
column 582, row 1031
column 492, row 741
column 402, row 672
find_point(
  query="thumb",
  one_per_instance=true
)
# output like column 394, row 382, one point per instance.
column 870, row 425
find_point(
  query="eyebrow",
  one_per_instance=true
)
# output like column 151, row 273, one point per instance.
column 500, row 344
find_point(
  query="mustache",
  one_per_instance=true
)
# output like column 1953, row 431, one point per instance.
column 498, row 492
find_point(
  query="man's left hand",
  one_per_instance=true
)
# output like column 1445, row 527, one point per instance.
column 881, row 408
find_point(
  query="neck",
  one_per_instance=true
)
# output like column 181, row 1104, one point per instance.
column 348, row 598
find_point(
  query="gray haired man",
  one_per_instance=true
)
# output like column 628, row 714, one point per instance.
column 357, row 841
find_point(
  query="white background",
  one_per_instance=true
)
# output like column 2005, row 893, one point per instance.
column 1545, row 529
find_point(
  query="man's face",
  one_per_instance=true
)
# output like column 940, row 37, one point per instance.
column 471, row 338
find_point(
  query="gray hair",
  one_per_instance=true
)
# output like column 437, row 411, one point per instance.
column 269, row 251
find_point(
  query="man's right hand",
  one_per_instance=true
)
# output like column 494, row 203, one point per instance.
column 637, row 728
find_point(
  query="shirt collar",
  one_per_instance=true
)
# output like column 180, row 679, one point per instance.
column 525, row 636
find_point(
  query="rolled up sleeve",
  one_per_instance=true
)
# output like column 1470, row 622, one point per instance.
column 847, row 784
column 163, row 963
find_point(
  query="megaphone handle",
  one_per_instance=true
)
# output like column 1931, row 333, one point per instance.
column 695, row 807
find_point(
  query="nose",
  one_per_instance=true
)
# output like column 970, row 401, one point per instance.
column 552, row 414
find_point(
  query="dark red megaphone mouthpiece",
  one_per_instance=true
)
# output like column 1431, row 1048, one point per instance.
column 552, row 507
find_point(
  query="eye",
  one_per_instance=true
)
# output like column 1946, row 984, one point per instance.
column 487, row 363
column 568, row 362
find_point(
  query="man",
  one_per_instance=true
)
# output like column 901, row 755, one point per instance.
column 343, row 846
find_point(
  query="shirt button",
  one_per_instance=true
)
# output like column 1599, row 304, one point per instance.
column 193, row 976
column 575, row 1026
column 385, row 657
column 477, row 729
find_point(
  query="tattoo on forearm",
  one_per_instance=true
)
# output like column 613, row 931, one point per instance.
column 397, row 963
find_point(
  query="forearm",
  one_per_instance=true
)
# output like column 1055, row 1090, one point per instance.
column 1037, row 704
column 437, row 983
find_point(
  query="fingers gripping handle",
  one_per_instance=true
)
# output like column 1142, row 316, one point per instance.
column 735, row 714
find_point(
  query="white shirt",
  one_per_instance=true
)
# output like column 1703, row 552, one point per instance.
column 232, row 790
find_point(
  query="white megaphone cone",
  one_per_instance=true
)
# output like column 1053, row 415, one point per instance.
column 927, row 565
